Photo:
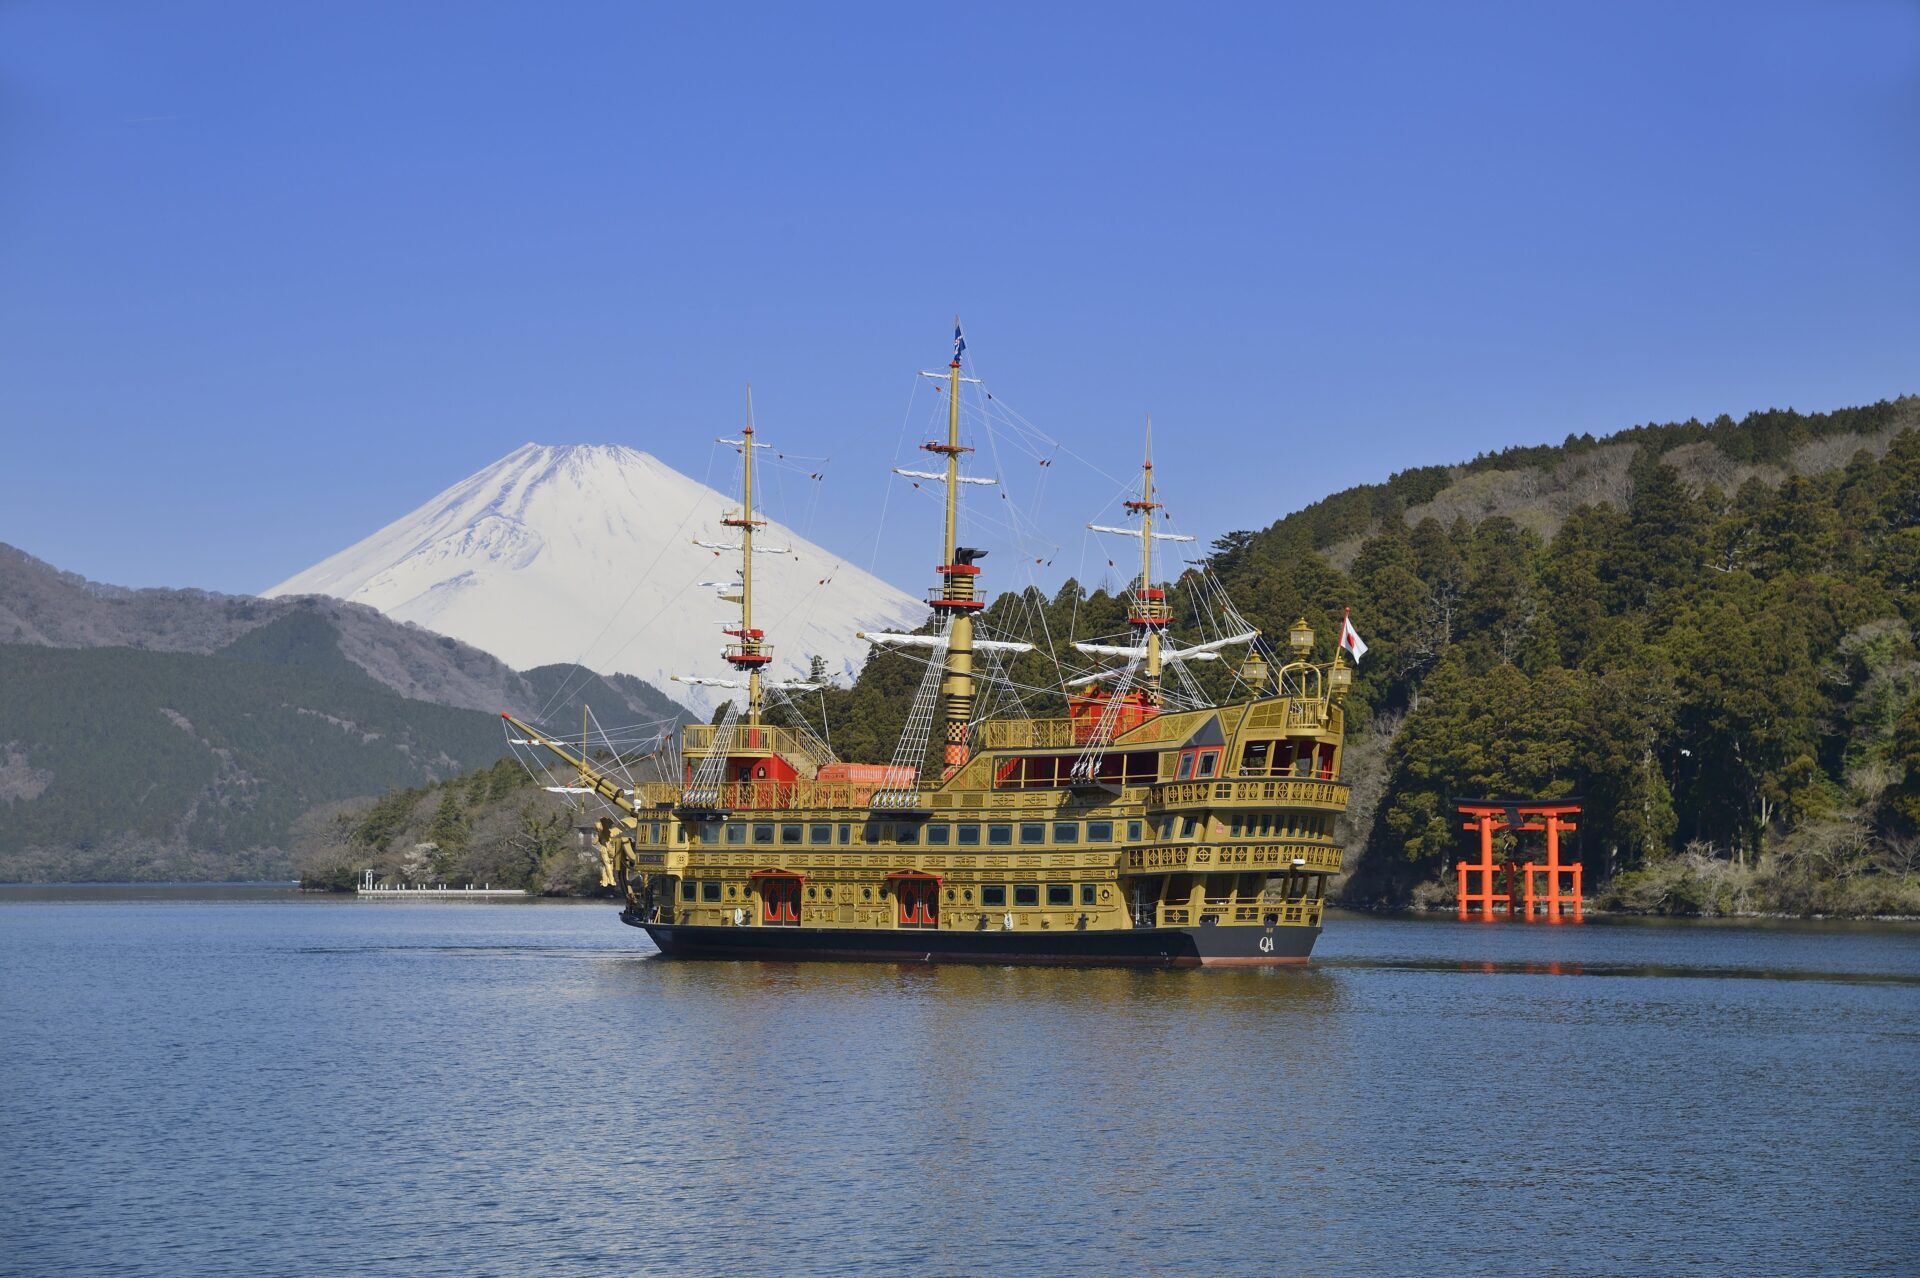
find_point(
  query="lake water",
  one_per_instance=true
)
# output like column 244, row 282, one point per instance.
column 259, row 1082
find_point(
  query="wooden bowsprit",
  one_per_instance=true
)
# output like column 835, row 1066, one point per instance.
column 1551, row 891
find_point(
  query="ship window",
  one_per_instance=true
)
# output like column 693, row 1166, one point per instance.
column 939, row 834
column 1187, row 827
column 790, row 834
column 1136, row 831
column 1000, row 835
column 906, row 832
column 1059, row 894
column 1186, row 766
column 1087, row 894
column 1066, row 831
column 1254, row 758
column 1206, row 763
column 1026, row 894
column 1099, row 831
column 1033, row 832
column 993, row 894
column 846, row 834
column 688, row 889
column 820, row 834
column 1233, row 828
column 710, row 890
column 876, row 832
column 967, row 835
column 763, row 834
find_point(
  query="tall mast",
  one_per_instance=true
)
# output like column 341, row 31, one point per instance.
column 1150, row 614
column 957, row 600
column 749, row 654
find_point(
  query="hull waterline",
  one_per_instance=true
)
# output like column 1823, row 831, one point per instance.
column 1136, row 947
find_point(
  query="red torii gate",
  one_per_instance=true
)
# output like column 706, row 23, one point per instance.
column 1489, row 816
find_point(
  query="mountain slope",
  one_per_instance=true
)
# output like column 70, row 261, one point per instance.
column 586, row 553
column 40, row 604
column 118, row 763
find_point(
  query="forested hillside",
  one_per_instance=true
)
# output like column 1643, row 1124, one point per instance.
column 494, row 826
column 1706, row 629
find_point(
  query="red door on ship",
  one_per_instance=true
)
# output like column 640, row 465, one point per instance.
column 919, row 902
column 780, row 901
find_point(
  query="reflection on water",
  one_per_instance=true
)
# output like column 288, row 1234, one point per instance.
column 260, row 1082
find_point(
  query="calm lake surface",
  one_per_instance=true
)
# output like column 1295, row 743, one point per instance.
column 252, row 1081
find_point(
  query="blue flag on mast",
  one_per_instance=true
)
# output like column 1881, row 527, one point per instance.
column 959, row 343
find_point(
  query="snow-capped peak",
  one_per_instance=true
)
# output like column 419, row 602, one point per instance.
column 584, row 552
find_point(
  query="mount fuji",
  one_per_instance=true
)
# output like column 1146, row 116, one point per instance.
column 585, row 553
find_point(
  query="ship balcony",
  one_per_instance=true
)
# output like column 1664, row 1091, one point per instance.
column 1318, row 793
column 753, row 741
column 1312, row 857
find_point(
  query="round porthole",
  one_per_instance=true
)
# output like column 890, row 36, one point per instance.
column 967, row 895
column 829, row 894
column 866, row 894
column 813, row 893
column 949, row 894
column 1106, row 894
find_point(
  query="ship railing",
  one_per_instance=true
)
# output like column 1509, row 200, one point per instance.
column 1234, row 910
column 1304, row 792
column 1292, row 714
column 1026, row 734
column 747, row 796
column 756, row 739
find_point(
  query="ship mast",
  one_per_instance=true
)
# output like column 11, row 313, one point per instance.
column 958, row 600
column 1150, row 614
column 748, row 654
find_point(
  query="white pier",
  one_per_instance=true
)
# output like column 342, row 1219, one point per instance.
column 370, row 891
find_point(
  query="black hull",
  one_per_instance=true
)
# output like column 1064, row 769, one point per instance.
column 1136, row 947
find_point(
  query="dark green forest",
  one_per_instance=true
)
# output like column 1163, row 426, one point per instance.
column 1727, row 675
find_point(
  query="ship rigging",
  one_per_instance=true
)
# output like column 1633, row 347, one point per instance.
column 1181, row 810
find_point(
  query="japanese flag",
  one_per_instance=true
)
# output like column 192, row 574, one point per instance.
column 1350, row 640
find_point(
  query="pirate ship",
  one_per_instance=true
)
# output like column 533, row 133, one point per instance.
column 1151, row 824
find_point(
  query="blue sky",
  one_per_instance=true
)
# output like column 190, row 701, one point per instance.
column 272, row 274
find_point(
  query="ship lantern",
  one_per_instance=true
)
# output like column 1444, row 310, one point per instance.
column 1253, row 671
column 1301, row 638
column 1340, row 678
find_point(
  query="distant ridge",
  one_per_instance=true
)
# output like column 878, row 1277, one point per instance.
column 531, row 559
column 1538, row 485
